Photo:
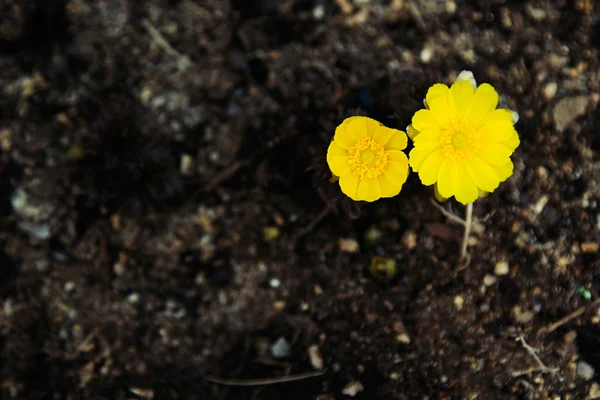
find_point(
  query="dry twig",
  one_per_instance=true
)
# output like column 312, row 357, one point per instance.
column 266, row 381
column 555, row 325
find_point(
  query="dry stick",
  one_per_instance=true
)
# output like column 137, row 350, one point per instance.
column 468, row 225
column 531, row 351
column 184, row 60
column 448, row 214
column 554, row 326
column 267, row 381
column 308, row 228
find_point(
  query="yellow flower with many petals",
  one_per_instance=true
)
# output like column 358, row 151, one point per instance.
column 462, row 143
column 367, row 158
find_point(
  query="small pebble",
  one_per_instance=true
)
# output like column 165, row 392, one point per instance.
column 594, row 391
column 353, row 388
column 315, row 357
column 69, row 287
column 133, row 298
column 522, row 316
column 281, row 348
column 409, row 239
column 319, row 11
column 550, row 90
column 274, row 283
column 403, row 338
column 585, row 370
column 568, row 109
column 348, row 245
column 459, row 301
column 426, row 55
column 590, row 247
column 489, row 280
column 186, row 165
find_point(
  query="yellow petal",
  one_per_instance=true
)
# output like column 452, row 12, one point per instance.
column 339, row 165
column 494, row 153
column 358, row 128
column 484, row 100
column 428, row 139
column 499, row 115
column 383, row 134
column 398, row 141
column 412, row 132
column 396, row 155
column 435, row 91
column 430, row 168
column 466, row 190
column 460, row 97
column 397, row 171
column 513, row 142
column 341, row 137
column 504, row 171
column 369, row 190
column 372, row 126
column 335, row 150
column 388, row 187
column 441, row 110
column 417, row 157
column 447, row 175
column 423, row 120
column 437, row 194
column 497, row 131
column 482, row 173
column 349, row 185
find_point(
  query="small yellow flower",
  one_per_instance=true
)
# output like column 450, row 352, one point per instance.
column 462, row 142
column 367, row 158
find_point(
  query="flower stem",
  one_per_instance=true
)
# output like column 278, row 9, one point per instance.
column 468, row 224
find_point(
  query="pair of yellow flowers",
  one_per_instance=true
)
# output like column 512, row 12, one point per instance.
column 462, row 146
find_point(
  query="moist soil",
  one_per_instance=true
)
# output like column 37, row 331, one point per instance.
column 168, row 229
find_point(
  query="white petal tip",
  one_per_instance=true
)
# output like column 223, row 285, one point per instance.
column 467, row 76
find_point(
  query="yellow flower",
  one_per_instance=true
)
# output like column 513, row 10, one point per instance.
column 367, row 158
column 462, row 142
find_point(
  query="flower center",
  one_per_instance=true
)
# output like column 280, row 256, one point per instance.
column 367, row 158
column 460, row 141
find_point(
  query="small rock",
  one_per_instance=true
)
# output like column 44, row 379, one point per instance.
column 426, row 54
column 373, row 234
column 142, row 392
column 594, row 391
column 69, row 287
column 550, row 90
column 489, row 280
column 186, row 165
column 403, row 338
column 585, row 370
column 270, row 233
column 522, row 316
column 348, row 245
column 450, row 6
column 274, row 283
column 590, row 247
column 501, row 268
column 281, row 348
column 319, row 11
column 133, row 298
column 537, row 14
column 568, row 109
column 459, row 301
column 409, row 239
column 353, row 388
column 315, row 357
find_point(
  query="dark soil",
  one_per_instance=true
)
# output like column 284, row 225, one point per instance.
column 167, row 216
